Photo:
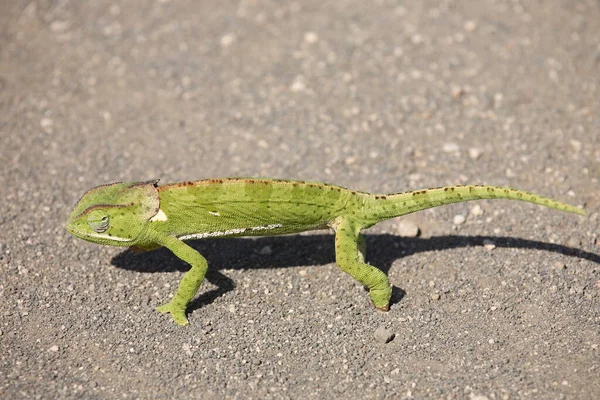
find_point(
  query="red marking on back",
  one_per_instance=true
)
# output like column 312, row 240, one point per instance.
column 213, row 181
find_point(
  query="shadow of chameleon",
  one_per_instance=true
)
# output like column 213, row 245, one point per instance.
column 298, row 250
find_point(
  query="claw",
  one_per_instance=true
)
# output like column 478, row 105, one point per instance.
column 177, row 313
column 385, row 308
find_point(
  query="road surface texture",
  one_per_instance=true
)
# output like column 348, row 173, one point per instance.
column 493, row 300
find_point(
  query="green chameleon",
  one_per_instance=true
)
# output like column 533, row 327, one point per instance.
column 147, row 216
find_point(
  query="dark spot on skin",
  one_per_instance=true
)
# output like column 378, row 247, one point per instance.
column 452, row 189
column 445, row 189
column 470, row 189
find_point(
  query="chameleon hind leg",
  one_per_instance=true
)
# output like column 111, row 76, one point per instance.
column 349, row 256
column 361, row 244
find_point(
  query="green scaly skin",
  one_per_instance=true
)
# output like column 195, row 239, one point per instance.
column 145, row 216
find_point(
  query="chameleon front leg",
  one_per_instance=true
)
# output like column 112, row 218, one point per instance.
column 190, row 282
column 350, row 250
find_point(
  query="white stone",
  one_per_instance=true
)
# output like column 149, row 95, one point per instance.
column 407, row 229
column 459, row 219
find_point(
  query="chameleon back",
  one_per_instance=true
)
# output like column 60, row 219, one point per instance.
column 250, row 207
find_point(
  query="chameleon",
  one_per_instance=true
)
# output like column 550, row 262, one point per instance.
column 145, row 216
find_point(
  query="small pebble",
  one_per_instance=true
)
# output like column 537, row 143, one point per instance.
column 573, row 242
column 435, row 296
column 187, row 349
column 560, row 265
column 297, row 86
column 311, row 37
column 53, row 349
column 457, row 92
column 47, row 125
column 476, row 211
column 228, row 40
column 498, row 97
column 577, row 145
column 383, row 335
column 265, row 251
column 459, row 219
column 489, row 245
column 451, row 147
column 407, row 229
column 59, row 26
column 475, row 153
column 470, row 26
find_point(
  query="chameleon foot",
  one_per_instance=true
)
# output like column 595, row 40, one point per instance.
column 385, row 308
column 176, row 312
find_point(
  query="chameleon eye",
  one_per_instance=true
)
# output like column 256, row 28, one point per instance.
column 98, row 220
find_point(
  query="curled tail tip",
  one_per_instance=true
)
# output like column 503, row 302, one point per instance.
column 574, row 209
column 580, row 211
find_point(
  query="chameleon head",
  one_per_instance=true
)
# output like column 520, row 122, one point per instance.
column 114, row 214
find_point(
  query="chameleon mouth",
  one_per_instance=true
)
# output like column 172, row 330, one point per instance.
column 96, row 237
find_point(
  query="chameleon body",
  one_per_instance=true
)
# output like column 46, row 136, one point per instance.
column 146, row 216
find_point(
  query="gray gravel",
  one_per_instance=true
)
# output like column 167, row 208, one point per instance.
column 379, row 96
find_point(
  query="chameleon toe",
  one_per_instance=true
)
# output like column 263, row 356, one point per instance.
column 177, row 313
column 385, row 308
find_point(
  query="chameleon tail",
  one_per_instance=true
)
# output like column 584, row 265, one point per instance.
column 380, row 207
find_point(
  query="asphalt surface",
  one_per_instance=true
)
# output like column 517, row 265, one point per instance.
column 494, row 299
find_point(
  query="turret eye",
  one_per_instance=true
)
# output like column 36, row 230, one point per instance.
column 98, row 220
